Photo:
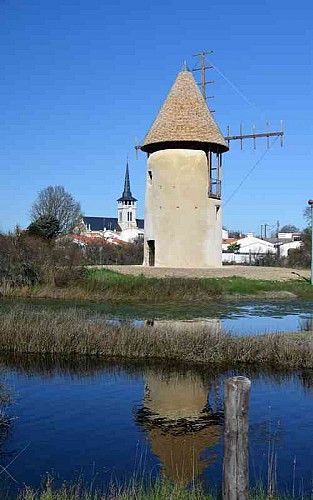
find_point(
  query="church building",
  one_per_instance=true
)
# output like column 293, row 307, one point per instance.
column 125, row 226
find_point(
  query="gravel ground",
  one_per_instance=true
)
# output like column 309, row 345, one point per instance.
column 251, row 272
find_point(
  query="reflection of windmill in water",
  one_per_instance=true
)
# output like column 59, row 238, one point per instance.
column 180, row 422
column 306, row 324
column 212, row 325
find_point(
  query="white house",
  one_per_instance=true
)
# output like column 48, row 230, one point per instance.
column 251, row 244
column 284, row 248
column 248, row 248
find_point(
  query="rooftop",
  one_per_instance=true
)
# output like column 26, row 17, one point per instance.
column 110, row 223
column 184, row 118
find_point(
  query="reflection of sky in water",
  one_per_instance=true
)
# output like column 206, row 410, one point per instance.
column 269, row 317
column 254, row 319
column 258, row 325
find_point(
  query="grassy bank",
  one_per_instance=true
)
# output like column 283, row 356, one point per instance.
column 71, row 332
column 158, row 490
column 108, row 286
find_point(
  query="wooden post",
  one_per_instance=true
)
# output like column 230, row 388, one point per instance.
column 236, row 458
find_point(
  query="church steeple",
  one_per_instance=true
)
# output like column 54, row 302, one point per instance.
column 127, row 195
column 126, row 206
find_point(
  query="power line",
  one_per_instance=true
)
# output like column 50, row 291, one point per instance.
column 234, row 87
column 250, row 172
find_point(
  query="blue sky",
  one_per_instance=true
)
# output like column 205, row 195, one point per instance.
column 81, row 79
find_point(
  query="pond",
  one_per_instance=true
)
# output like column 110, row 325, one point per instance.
column 110, row 421
column 237, row 318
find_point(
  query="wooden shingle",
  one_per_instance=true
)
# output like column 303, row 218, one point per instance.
column 184, row 117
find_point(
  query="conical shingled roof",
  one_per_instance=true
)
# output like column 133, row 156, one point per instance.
column 184, row 117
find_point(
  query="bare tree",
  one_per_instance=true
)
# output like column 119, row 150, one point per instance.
column 55, row 202
column 307, row 215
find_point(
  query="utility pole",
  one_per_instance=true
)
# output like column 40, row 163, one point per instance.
column 241, row 136
column 277, row 239
column 229, row 137
column 203, row 68
column 310, row 203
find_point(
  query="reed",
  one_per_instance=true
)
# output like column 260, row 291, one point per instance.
column 25, row 329
column 159, row 490
column 137, row 490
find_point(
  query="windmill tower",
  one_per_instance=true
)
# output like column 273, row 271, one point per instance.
column 127, row 206
column 183, row 225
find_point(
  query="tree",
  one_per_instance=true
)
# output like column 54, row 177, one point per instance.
column 301, row 257
column 289, row 228
column 307, row 215
column 47, row 227
column 234, row 247
column 55, row 202
column 234, row 233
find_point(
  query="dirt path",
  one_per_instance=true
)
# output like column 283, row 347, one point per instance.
column 251, row 272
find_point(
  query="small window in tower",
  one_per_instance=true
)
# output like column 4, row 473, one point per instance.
column 120, row 216
column 130, row 216
column 150, row 174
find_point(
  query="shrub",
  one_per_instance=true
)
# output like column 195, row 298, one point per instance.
column 28, row 260
column 301, row 257
column 103, row 252
column 66, row 276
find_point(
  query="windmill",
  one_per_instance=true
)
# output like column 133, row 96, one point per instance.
column 184, row 146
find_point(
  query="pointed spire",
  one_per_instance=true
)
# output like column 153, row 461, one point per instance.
column 127, row 195
column 185, row 67
column 127, row 192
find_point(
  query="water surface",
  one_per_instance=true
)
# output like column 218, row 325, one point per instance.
column 109, row 420
column 238, row 318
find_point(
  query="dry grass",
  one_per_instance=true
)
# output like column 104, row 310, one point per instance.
column 24, row 329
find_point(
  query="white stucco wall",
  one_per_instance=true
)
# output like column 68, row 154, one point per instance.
column 123, row 210
column 253, row 245
column 179, row 215
column 285, row 247
column 130, row 234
